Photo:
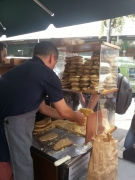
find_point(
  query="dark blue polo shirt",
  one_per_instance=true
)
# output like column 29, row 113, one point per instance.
column 22, row 89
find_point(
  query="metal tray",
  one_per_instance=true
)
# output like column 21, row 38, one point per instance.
column 46, row 147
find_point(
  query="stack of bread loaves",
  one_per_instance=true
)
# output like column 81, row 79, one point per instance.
column 73, row 71
column 83, row 74
column 110, row 81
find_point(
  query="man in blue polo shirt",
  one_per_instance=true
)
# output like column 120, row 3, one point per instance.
column 22, row 93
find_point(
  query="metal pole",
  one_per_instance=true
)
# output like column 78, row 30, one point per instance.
column 109, row 30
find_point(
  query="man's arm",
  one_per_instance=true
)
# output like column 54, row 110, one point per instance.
column 62, row 111
column 49, row 111
column 82, row 100
column 66, row 112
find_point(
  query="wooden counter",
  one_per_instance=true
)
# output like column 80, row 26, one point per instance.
column 44, row 169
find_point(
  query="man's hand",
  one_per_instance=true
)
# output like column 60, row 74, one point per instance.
column 79, row 117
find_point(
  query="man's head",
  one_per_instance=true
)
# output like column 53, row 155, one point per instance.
column 47, row 52
column 3, row 52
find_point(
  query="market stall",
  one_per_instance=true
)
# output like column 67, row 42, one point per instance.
column 88, row 68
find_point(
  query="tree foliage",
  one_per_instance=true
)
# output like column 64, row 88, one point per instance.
column 125, row 44
column 117, row 24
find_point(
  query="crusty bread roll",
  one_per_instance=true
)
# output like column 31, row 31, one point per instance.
column 79, row 73
column 95, row 67
column 75, row 88
column 96, row 63
column 86, row 71
column 72, row 70
column 79, row 69
column 84, row 79
column 93, row 72
column 66, row 87
column 62, row 144
column 74, row 78
column 79, row 66
column 93, row 76
column 42, row 129
column 75, row 57
column 72, row 74
column 65, row 74
column 75, row 84
column 76, row 62
column 65, row 79
column 88, row 62
column 85, row 89
column 84, row 84
column 71, row 67
column 86, row 66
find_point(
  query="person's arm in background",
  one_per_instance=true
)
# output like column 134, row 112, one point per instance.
column 62, row 111
column 93, row 101
column 82, row 99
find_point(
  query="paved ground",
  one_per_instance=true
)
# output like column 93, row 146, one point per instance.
column 123, row 122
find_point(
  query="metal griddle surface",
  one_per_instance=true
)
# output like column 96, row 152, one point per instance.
column 46, row 147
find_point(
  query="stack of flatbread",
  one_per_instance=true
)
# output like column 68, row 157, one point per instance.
column 105, row 68
column 110, row 83
column 66, row 85
column 110, row 59
column 83, row 74
column 95, row 65
column 87, row 66
column 94, row 82
column 73, row 70
column 94, row 74
column 42, row 126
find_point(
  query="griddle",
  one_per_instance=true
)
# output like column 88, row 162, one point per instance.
column 46, row 147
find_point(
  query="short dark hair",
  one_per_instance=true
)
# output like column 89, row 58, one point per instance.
column 2, row 45
column 45, row 48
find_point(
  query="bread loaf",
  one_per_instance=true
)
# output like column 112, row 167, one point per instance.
column 48, row 137
column 42, row 123
column 62, row 144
